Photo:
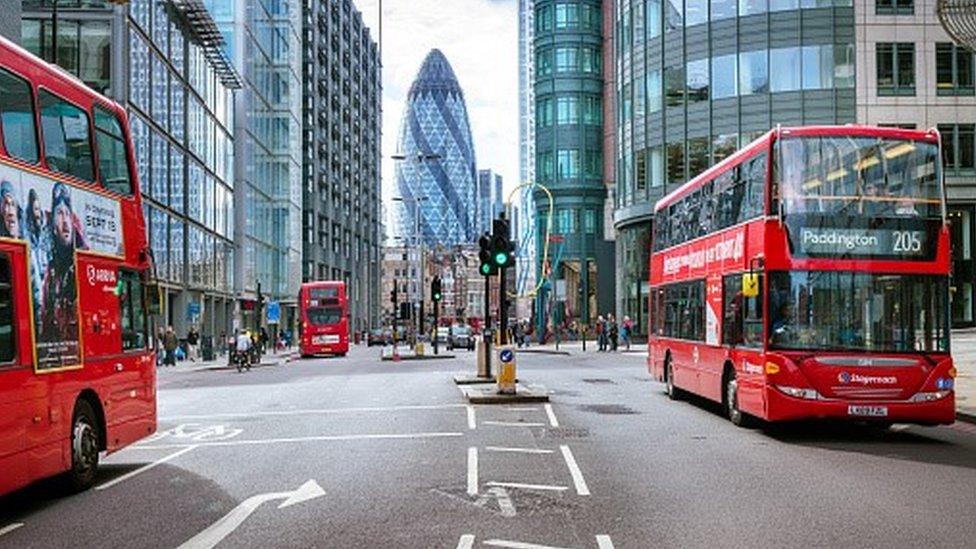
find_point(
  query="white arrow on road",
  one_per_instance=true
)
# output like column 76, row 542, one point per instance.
column 223, row 527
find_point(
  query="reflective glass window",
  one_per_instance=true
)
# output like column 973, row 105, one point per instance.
column 674, row 86
column 652, row 12
column 676, row 162
column 697, row 80
column 567, row 59
column 654, row 98
column 723, row 9
column 568, row 163
column 783, row 5
column 113, row 160
column 696, row 12
column 17, row 117
column 753, row 73
column 67, row 148
column 674, row 15
column 786, row 77
column 724, row 77
column 567, row 16
column 749, row 7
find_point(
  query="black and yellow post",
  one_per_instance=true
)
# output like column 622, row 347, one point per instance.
column 435, row 297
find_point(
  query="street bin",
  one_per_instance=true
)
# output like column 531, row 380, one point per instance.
column 207, row 348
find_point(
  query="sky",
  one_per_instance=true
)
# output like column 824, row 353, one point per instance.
column 480, row 40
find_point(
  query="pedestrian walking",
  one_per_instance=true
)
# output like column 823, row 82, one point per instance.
column 192, row 344
column 170, row 344
column 601, row 333
column 626, row 329
column 613, row 332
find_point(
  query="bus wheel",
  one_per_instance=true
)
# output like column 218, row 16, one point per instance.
column 84, row 448
column 673, row 392
column 736, row 416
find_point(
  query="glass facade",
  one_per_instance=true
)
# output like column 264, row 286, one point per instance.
column 697, row 81
column 436, row 176
column 181, row 122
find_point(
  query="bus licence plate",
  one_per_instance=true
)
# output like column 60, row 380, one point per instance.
column 325, row 339
column 867, row 411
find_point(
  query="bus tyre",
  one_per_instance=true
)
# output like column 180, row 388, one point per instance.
column 84, row 448
column 673, row 392
column 735, row 415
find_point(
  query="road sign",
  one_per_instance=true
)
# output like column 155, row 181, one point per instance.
column 193, row 310
column 506, row 356
column 219, row 530
column 506, row 370
column 274, row 312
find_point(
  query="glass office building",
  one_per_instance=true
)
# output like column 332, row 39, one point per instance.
column 179, row 92
column 436, row 172
column 341, row 142
column 696, row 80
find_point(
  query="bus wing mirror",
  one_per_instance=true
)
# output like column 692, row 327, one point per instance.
column 750, row 284
column 154, row 298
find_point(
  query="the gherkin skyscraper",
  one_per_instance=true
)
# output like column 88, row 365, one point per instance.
column 435, row 173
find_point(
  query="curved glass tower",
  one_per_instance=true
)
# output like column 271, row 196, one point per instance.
column 435, row 173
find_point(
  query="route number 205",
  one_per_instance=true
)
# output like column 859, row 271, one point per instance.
column 908, row 242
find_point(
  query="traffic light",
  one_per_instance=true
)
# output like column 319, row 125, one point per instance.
column 435, row 289
column 487, row 266
column 502, row 247
column 393, row 295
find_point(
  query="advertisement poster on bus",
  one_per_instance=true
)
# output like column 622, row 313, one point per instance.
column 56, row 220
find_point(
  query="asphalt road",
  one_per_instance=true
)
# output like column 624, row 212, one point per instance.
column 352, row 452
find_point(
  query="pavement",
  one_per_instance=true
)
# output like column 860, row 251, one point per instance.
column 354, row 452
column 221, row 362
column 964, row 358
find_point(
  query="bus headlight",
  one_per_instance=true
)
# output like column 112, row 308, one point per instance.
column 797, row 392
column 929, row 396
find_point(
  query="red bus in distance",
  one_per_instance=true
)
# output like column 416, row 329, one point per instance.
column 77, row 370
column 324, row 316
column 807, row 276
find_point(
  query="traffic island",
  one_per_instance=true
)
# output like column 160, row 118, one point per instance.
column 489, row 394
column 466, row 379
column 391, row 358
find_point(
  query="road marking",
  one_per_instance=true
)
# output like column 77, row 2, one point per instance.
column 10, row 528
column 466, row 542
column 899, row 427
column 219, row 530
column 472, row 471
column 304, row 439
column 553, row 422
column 518, row 450
column 513, row 424
column 144, row 468
column 516, row 544
column 314, row 411
column 603, row 542
column 574, row 470
column 528, row 486
column 522, row 409
column 505, row 504
column 472, row 424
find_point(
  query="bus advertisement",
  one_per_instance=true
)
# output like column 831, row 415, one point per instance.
column 807, row 277
column 324, row 319
column 77, row 371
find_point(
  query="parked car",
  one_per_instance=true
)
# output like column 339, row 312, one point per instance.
column 379, row 336
column 443, row 335
column 461, row 338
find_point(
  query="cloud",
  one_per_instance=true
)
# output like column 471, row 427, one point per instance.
column 480, row 39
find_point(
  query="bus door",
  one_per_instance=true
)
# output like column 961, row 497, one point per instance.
column 15, row 402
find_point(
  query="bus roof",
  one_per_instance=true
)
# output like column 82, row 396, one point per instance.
column 763, row 141
column 323, row 284
column 32, row 66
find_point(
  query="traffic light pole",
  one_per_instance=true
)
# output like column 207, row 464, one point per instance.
column 502, row 309
column 487, row 328
column 437, row 308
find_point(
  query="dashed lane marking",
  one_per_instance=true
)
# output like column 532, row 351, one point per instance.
column 518, row 450
column 604, row 542
column 466, row 542
column 528, row 486
column 10, row 528
column 315, row 411
column 322, row 438
column 472, row 471
column 517, row 544
column 472, row 424
column 574, row 470
column 553, row 422
column 513, row 424
column 521, row 409
column 144, row 468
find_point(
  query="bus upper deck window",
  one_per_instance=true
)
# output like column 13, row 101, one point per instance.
column 64, row 126
column 113, row 162
column 17, row 117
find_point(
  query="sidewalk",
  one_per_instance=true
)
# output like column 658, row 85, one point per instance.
column 575, row 347
column 964, row 358
column 221, row 363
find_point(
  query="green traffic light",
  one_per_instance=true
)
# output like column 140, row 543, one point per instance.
column 501, row 258
column 485, row 269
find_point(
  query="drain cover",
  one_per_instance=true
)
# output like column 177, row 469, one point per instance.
column 609, row 409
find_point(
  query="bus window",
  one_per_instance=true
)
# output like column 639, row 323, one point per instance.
column 17, row 118
column 65, row 133
column 7, row 333
column 743, row 316
column 133, row 312
column 113, row 165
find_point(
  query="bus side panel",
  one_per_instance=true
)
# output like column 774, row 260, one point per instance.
column 749, row 364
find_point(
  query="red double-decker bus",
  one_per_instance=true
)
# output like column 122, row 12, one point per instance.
column 77, row 372
column 324, row 312
column 807, row 276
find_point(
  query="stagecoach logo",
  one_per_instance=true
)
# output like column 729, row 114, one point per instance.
column 846, row 377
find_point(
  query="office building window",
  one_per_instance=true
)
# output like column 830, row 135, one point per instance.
column 567, row 59
column 567, row 16
column 724, row 78
column 958, row 147
column 592, row 110
column 674, row 85
column 697, row 80
column 567, row 110
column 676, row 162
column 653, row 15
column 749, row 7
column 753, row 72
column 543, row 112
column 953, row 69
column 543, row 19
column 723, row 9
column 568, row 163
column 896, row 68
column 543, row 62
column 894, row 7
column 786, row 76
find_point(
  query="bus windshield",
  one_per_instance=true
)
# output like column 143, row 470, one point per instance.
column 822, row 310
column 859, row 176
column 324, row 315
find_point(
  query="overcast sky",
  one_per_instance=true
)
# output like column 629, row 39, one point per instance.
column 480, row 40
